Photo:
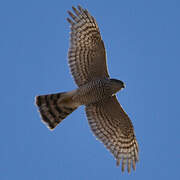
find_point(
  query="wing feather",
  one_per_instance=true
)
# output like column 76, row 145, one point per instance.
column 86, row 55
column 112, row 126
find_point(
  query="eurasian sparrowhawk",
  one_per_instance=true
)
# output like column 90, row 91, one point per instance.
column 96, row 91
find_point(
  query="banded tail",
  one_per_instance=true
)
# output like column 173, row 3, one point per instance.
column 54, row 108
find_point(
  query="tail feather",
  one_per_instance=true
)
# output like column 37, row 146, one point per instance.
column 54, row 108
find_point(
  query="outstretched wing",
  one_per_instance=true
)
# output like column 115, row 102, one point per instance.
column 112, row 126
column 87, row 56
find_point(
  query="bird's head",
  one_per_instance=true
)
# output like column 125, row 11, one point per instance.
column 117, row 85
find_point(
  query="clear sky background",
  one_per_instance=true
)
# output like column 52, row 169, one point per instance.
column 142, row 40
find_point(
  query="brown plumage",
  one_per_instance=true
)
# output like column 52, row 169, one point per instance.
column 87, row 62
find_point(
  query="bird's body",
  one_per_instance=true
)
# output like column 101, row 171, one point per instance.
column 96, row 90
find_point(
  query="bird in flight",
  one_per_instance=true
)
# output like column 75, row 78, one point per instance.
column 96, row 91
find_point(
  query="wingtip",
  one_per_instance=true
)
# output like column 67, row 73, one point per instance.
column 129, row 166
column 69, row 12
column 73, row 8
column 80, row 8
column 134, row 165
column 117, row 162
column 70, row 21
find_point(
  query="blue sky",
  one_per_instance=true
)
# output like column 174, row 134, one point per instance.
column 142, row 42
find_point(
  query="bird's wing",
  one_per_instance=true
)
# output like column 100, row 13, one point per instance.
column 112, row 126
column 87, row 56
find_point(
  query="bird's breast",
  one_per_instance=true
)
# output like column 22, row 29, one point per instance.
column 93, row 91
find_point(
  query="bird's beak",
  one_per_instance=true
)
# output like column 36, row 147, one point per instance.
column 123, row 86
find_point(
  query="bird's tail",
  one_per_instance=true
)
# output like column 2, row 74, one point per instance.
column 54, row 108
